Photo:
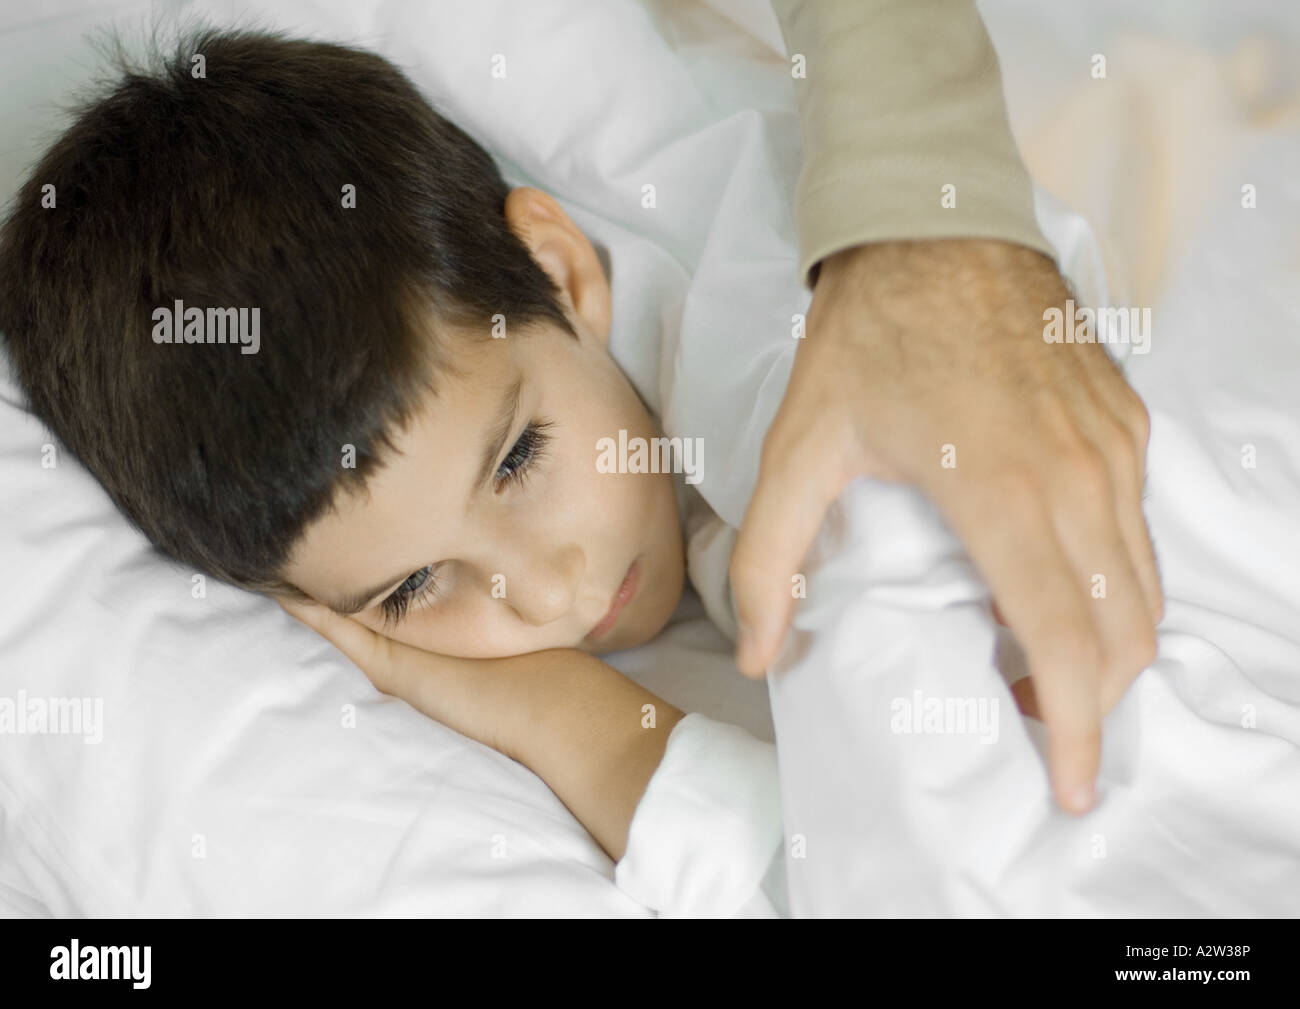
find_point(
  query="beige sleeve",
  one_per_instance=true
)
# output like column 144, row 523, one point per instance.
column 900, row 98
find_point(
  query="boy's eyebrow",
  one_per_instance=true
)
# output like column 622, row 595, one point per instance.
column 496, row 440
column 498, row 433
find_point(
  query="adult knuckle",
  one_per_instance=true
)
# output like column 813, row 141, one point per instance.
column 1113, row 689
column 1138, row 417
column 1120, row 449
column 1117, row 440
column 1141, row 648
column 1130, row 656
column 1087, row 462
column 1085, row 473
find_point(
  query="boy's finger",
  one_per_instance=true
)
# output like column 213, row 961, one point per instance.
column 798, row 479
column 301, row 611
column 370, row 651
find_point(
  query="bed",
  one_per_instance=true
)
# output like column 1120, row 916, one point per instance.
column 245, row 767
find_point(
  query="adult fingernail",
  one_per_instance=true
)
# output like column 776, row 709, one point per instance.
column 1082, row 798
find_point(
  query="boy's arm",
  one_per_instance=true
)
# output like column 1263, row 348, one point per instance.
column 899, row 99
column 593, row 735
column 574, row 721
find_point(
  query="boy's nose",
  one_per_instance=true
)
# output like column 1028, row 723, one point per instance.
column 545, row 588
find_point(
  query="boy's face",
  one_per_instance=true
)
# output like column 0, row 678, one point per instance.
column 534, row 556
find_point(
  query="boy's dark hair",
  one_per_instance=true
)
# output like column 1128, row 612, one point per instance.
column 227, row 190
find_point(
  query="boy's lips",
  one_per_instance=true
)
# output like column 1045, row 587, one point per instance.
column 622, row 596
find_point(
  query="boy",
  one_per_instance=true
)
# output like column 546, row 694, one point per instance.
column 309, row 342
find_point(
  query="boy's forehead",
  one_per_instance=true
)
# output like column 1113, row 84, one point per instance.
column 426, row 483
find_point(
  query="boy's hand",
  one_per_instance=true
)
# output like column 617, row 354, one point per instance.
column 471, row 696
column 593, row 735
column 912, row 346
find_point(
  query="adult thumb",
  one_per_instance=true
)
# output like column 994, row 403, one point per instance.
column 799, row 478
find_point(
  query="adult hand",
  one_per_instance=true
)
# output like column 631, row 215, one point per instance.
column 914, row 345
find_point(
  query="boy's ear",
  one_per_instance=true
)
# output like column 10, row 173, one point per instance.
column 565, row 253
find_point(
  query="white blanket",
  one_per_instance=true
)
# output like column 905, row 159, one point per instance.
column 1201, row 761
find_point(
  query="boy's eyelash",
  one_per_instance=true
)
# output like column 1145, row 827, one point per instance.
column 526, row 451
column 395, row 607
column 516, row 466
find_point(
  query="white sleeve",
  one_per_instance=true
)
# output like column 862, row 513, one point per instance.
column 705, row 840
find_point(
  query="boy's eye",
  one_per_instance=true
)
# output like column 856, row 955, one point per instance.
column 518, row 461
column 419, row 585
column 526, row 451
column 416, row 581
